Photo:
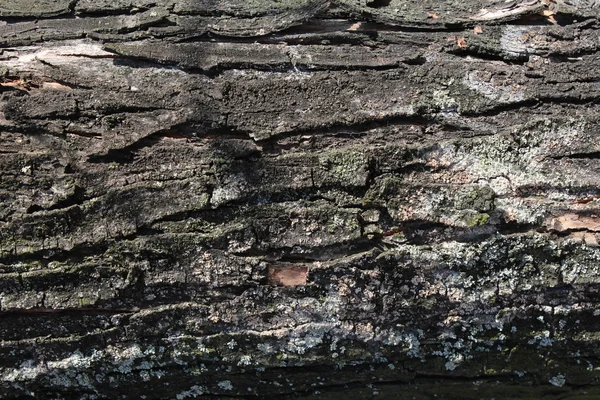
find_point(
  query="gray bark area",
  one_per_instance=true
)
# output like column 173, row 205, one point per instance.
column 360, row 199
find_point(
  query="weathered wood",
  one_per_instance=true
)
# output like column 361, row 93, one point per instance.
column 254, row 198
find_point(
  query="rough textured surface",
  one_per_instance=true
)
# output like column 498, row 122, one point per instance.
column 254, row 198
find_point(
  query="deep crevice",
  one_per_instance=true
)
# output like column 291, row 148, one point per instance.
column 358, row 127
column 185, row 131
column 499, row 109
column 17, row 313
column 77, row 254
column 594, row 155
column 485, row 55
column 378, row 3
column 277, row 67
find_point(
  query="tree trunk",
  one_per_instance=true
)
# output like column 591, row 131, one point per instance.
column 367, row 199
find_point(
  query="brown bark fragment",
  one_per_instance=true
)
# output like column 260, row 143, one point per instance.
column 289, row 275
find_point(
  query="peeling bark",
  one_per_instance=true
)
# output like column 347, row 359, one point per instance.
column 351, row 198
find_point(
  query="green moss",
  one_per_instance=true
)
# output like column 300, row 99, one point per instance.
column 476, row 198
column 587, row 336
column 348, row 167
column 477, row 220
column 382, row 191
column 524, row 359
column 202, row 351
column 85, row 301
column 370, row 200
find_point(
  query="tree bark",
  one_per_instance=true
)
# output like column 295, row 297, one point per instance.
column 231, row 199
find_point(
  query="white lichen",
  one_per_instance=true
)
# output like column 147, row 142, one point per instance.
column 225, row 385
column 558, row 380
